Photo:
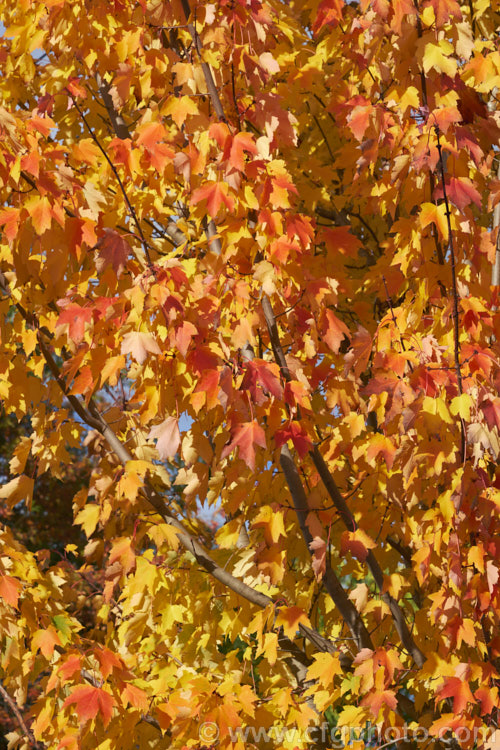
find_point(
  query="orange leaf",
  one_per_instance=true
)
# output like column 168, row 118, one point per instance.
column 41, row 214
column 136, row 697
column 244, row 436
column 333, row 330
column 358, row 543
column 459, row 690
column 359, row 354
column 10, row 589
column 241, row 142
column 89, row 701
column 9, row 217
column 75, row 317
column 214, row 193
column 289, row 618
column 329, row 14
column 45, row 641
column 431, row 214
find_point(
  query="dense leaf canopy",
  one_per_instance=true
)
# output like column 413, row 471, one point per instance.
column 249, row 262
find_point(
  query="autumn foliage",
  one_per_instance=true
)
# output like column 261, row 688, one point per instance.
column 249, row 276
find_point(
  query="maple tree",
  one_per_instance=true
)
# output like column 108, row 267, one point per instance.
column 250, row 259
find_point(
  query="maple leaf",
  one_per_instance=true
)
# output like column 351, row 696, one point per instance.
column 430, row 213
column 71, row 666
column 139, row 345
column 459, row 690
column 10, row 588
column 108, row 662
column 90, row 701
column 214, row 193
column 289, row 618
column 167, row 436
column 180, row 109
column 318, row 548
column 76, row 318
column 41, row 213
column 359, row 119
column 241, row 143
column 10, row 218
column 329, row 14
column 135, row 697
column 45, row 641
column 358, row 543
column 113, row 251
column 245, row 436
column 263, row 374
column 299, row 437
column 324, row 668
column 150, row 134
column 359, row 354
column 333, row 330
column 271, row 520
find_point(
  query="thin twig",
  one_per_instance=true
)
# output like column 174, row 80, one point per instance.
column 22, row 724
column 454, row 290
column 131, row 209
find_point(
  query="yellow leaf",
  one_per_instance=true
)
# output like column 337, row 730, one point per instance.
column 436, row 406
column 325, row 668
column 272, row 523
column 19, row 488
column 429, row 213
column 179, row 109
column 164, row 532
column 461, row 405
column 435, row 56
column 88, row 518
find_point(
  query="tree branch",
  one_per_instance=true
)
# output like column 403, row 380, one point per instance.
column 19, row 717
column 339, row 502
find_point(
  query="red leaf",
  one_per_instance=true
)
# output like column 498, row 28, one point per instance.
column 461, row 192
column 114, row 250
column 72, row 665
column 263, row 374
column 491, row 411
column 75, row 317
column 89, row 701
column 243, row 437
column 329, row 14
column 297, row 435
column 215, row 193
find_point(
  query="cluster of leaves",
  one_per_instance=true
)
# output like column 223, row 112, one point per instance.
column 258, row 241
